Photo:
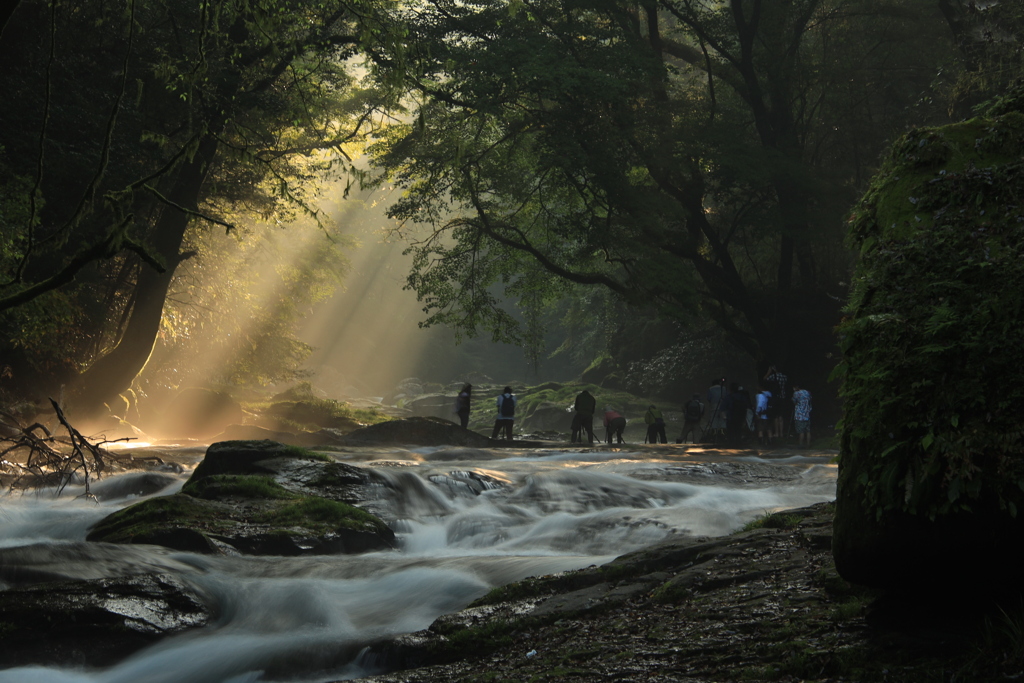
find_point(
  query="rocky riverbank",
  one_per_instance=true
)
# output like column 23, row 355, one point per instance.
column 764, row 604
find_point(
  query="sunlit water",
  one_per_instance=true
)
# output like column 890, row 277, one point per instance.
column 531, row 513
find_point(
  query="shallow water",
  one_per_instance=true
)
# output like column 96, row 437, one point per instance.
column 466, row 520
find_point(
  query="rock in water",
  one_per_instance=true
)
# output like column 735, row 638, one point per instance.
column 95, row 622
column 931, row 466
column 418, row 431
column 258, row 498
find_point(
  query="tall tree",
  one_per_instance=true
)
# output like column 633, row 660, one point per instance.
column 224, row 107
column 681, row 153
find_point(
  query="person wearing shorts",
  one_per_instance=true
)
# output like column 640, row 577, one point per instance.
column 764, row 427
column 802, row 415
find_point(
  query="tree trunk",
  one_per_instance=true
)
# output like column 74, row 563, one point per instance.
column 114, row 372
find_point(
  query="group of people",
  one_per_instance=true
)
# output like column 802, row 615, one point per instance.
column 735, row 416
column 732, row 415
column 584, row 409
column 585, row 406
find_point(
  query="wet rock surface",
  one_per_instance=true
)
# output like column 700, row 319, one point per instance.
column 95, row 622
column 761, row 605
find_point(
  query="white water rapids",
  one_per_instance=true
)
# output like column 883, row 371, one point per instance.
column 309, row 618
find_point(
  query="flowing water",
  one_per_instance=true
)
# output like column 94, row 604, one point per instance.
column 466, row 520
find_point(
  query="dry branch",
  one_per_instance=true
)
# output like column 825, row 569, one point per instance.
column 44, row 459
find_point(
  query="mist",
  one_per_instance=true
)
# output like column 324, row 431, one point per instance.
column 367, row 336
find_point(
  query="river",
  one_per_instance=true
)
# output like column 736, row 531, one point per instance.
column 466, row 520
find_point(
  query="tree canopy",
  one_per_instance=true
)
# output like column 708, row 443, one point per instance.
column 140, row 124
column 686, row 155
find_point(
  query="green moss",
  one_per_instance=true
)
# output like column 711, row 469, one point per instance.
column 334, row 474
column 932, row 379
column 671, row 592
column 239, row 485
column 519, row 590
column 305, row 453
column 482, row 640
column 142, row 519
column 773, row 520
column 904, row 194
column 323, row 516
column 321, row 412
column 851, row 608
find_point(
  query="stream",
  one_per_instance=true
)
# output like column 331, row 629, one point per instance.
column 466, row 520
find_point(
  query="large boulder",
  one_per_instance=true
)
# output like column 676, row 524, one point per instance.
column 300, row 415
column 931, row 468
column 95, row 622
column 417, row 431
column 259, row 498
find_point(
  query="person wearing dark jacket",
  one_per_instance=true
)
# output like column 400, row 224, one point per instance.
column 738, row 403
column 693, row 412
column 585, row 406
column 462, row 405
column 506, row 414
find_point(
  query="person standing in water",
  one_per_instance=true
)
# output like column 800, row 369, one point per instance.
column 693, row 413
column 655, row 425
column 462, row 405
column 585, row 407
column 506, row 414
column 614, row 424
column 802, row 414
column 717, row 422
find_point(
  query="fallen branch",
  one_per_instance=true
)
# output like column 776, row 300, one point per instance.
column 51, row 460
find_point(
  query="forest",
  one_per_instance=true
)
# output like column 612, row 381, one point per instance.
column 653, row 184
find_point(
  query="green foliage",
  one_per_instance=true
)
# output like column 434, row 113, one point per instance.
column 1002, row 636
column 931, row 373
column 666, row 154
column 173, row 117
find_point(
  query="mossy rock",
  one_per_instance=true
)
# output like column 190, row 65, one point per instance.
column 84, row 623
column 312, row 413
column 257, row 497
column 284, row 525
column 246, row 457
column 185, row 522
column 931, row 467
column 418, row 431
